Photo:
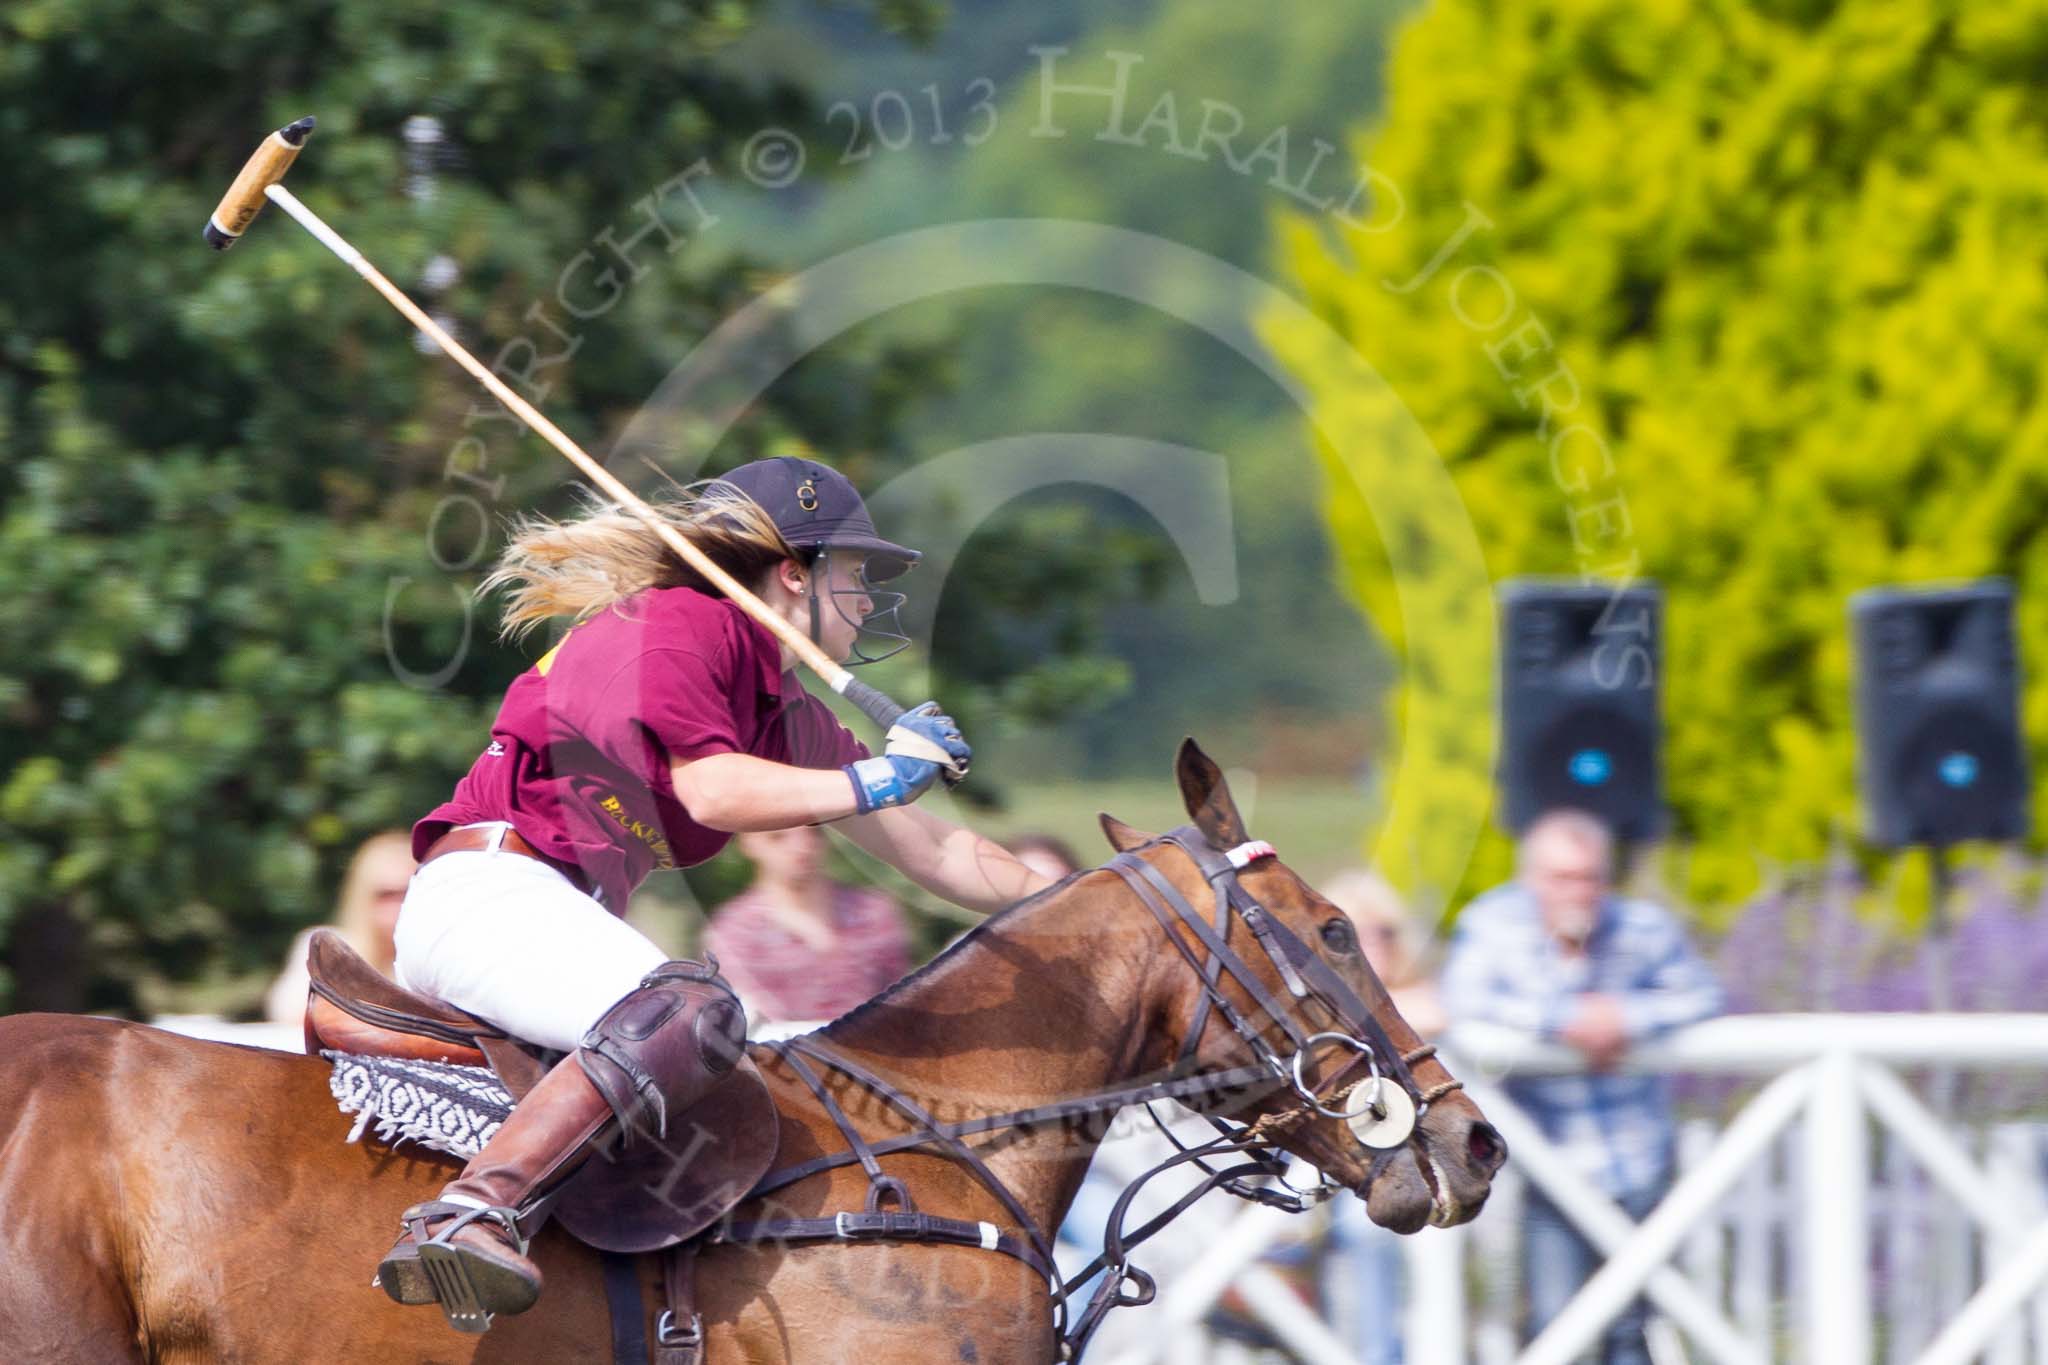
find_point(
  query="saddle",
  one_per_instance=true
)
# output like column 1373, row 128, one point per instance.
column 641, row 1195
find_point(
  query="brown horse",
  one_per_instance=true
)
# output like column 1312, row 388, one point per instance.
column 163, row 1199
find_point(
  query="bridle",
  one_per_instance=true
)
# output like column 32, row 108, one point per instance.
column 1302, row 971
column 1305, row 977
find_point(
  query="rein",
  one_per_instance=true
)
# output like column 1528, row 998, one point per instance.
column 1305, row 977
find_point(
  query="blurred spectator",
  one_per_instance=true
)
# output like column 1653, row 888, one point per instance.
column 371, row 892
column 1046, row 854
column 1362, row 1267
column 798, row 946
column 1556, row 954
column 1387, row 934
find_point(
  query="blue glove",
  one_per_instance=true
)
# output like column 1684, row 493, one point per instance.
column 923, row 745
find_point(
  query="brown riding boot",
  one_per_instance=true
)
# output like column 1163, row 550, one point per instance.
column 470, row 1257
column 656, row 1051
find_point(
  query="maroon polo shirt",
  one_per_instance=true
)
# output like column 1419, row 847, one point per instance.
column 580, row 752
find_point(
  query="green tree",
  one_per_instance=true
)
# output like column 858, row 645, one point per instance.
column 1284, row 676
column 230, row 488
column 1780, row 263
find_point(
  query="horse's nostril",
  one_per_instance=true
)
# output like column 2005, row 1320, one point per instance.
column 1484, row 1146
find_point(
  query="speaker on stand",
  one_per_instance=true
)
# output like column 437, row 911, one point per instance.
column 1940, row 760
column 1580, row 722
column 1940, row 756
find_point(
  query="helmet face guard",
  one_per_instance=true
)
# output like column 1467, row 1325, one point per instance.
column 879, row 634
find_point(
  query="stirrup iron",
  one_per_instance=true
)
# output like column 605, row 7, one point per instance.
column 448, row 1271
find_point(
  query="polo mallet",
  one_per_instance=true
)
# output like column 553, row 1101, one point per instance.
column 259, row 180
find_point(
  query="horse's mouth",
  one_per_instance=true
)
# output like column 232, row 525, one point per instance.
column 1445, row 1208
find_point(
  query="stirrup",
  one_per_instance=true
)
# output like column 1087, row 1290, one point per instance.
column 448, row 1271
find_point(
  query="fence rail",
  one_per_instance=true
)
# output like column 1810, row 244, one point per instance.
column 1836, row 1217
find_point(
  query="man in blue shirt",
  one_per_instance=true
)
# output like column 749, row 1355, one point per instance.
column 1557, row 954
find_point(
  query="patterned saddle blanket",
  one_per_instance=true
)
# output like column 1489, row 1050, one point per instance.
column 439, row 1105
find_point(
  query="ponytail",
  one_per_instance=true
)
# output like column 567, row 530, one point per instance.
column 578, row 568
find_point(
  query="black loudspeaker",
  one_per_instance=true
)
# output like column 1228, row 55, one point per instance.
column 1580, row 665
column 1939, row 748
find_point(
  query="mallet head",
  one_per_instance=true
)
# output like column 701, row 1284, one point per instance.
column 264, row 168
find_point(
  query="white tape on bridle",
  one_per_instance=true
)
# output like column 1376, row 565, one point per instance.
column 1244, row 855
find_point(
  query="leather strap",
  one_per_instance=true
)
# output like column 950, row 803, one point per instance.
column 679, row 1332
column 813, row 1045
column 884, row 1226
column 629, row 1315
column 1136, row 872
column 468, row 839
column 1245, row 1083
column 854, row 1141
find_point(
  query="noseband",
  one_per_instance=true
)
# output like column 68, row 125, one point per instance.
column 1305, row 976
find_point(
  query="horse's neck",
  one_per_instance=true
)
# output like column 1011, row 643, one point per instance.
column 1045, row 1003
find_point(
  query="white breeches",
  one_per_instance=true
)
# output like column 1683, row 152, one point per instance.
column 511, row 940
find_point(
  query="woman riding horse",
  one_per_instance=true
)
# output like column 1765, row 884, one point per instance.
column 664, row 722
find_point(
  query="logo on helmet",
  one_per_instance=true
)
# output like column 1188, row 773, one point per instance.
column 807, row 496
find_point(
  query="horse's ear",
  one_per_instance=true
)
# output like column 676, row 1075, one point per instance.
column 1121, row 836
column 1208, row 797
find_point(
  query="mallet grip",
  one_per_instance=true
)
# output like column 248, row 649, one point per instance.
column 872, row 702
column 264, row 168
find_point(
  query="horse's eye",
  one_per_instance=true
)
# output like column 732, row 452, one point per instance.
column 1339, row 936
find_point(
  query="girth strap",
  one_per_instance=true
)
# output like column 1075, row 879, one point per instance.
column 678, row 1331
column 629, row 1316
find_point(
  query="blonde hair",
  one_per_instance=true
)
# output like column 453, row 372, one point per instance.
column 1369, row 900
column 355, row 914
column 578, row 568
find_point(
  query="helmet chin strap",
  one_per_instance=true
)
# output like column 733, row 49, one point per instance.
column 811, row 592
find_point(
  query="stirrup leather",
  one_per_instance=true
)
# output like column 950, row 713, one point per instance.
column 443, row 1262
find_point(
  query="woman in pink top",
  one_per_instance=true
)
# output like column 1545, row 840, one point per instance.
column 663, row 722
column 799, row 946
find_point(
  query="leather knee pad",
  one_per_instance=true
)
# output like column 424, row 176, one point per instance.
column 664, row 1045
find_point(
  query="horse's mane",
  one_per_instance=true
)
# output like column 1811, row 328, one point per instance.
column 959, row 945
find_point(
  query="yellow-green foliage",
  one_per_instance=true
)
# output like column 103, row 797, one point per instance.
column 1785, row 263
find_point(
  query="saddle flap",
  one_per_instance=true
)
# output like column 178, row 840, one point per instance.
column 340, row 975
column 354, row 1008
column 656, row 1192
column 329, row 1028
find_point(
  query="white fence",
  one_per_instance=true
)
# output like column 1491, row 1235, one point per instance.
column 1833, row 1219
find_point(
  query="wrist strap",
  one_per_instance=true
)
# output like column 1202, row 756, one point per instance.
column 876, row 785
